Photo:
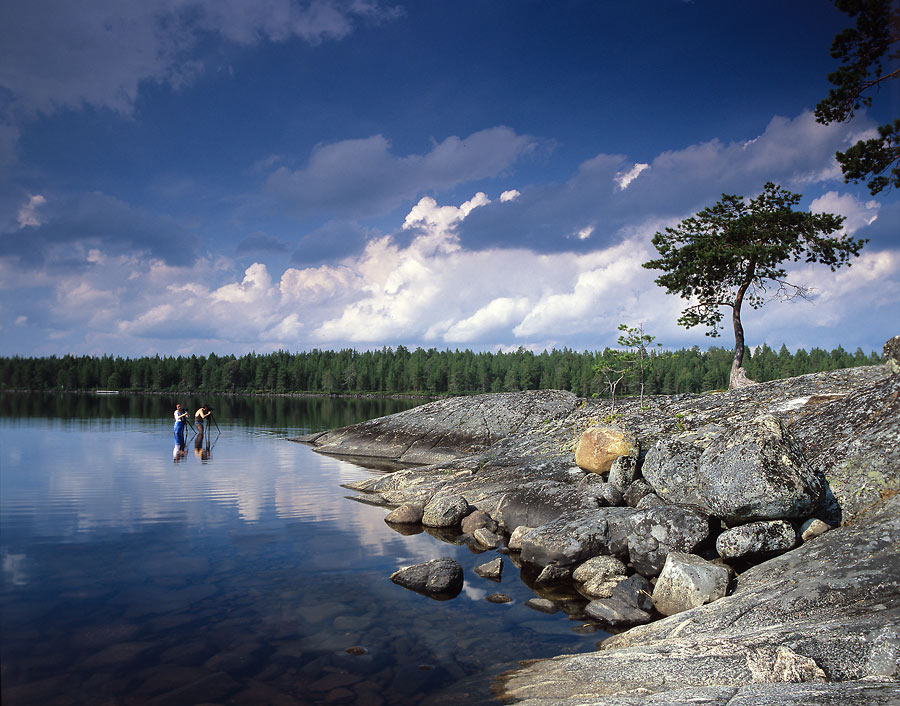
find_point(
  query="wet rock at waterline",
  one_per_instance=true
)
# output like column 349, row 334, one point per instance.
column 478, row 519
column 439, row 578
column 487, row 539
column 515, row 539
column 491, row 570
column 446, row 429
column 406, row 514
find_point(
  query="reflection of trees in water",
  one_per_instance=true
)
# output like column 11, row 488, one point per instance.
column 266, row 412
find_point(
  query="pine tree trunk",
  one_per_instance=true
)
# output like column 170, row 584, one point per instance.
column 738, row 374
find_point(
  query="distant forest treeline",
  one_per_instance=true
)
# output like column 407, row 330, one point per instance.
column 401, row 371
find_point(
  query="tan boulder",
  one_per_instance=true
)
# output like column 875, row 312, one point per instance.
column 598, row 447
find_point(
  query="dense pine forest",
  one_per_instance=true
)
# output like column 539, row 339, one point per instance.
column 401, row 371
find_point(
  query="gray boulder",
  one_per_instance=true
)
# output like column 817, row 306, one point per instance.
column 688, row 581
column 438, row 578
column 577, row 536
column 635, row 591
column 658, row 531
column 622, row 473
column 616, row 612
column 478, row 519
column 756, row 539
column 491, row 570
column 487, row 539
column 445, row 511
column 637, row 490
column 406, row 514
column 756, row 473
column 599, row 567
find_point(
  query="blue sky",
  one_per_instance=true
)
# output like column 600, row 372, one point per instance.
column 188, row 176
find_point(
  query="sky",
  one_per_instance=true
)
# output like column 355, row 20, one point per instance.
column 196, row 176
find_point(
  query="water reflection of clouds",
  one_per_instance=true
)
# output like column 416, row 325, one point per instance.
column 83, row 479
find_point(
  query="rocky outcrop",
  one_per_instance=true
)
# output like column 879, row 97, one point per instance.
column 739, row 472
column 821, row 622
column 445, row 429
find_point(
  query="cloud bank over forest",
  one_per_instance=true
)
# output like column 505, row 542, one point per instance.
column 187, row 177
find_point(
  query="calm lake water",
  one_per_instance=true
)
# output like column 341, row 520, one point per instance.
column 238, row 576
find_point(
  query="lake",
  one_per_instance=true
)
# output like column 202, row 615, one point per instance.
column 240, row 573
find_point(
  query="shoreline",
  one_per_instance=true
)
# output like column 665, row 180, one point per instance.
column 819, row 621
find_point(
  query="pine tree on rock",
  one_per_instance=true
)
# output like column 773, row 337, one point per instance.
column 735, row 250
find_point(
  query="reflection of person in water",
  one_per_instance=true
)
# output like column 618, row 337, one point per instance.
column 200, row 451
column 201, row 416
column 179, row 450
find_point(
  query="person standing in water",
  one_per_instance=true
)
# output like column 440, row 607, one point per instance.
column 200, row 416
column 180, row 415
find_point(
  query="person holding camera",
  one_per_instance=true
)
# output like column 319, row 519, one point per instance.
column 200, row 416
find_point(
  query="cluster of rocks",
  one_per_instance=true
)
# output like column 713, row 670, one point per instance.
column 665, row 509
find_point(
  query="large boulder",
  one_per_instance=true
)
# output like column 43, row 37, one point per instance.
column 599, row 446
column 537, row 502
column 439, row 578
column 756, row 473
column 577, row 536
column 406, row 514
column 688, row 581
column 658, row 531
column 672, row 465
